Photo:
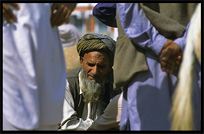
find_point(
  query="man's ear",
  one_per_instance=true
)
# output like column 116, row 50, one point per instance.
column 81, row 60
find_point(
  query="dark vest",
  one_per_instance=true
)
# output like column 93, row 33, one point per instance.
column 73, row 79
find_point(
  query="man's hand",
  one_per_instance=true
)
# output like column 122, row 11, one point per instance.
column 61, row 12
column 7, row 12
column 170, row 57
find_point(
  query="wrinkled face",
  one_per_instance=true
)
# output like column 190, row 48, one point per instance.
column 96, row 65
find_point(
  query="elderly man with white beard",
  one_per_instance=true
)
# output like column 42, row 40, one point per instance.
column 89, row 89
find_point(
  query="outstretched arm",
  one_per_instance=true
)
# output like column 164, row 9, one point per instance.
column 111, row 117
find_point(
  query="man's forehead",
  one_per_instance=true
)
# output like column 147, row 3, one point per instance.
column 96, row 60
column 96, row 54
column 96, row 57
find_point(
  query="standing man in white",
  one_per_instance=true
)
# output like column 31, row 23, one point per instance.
column 33, row 69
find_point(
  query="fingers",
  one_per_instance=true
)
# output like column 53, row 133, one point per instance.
column 60, row 14
column 168, row 68
column 53, row 13
column 170, row 58
column 68, row 13
column 170, row 65
column 64, row 16
column 56, row 16
column 163, row 52
column 15, row 5
column 164, row 59
column 8, row 14
column 54, row 7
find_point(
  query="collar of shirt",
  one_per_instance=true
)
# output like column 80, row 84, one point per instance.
column 80, row 91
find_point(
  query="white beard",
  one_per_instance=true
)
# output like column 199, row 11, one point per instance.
column 91, row 90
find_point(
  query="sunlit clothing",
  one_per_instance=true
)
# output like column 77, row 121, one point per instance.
column 91, row 112
column 69, row 35
column 148, row 102
column 110, row 120
column 33, row 69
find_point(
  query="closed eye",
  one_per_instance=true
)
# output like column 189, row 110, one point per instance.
column 90, row 64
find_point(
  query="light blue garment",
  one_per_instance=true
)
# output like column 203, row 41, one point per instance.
column 138, row 28
column 33, row 69
column 149, row 98
column 182, row 40
column 147, row 101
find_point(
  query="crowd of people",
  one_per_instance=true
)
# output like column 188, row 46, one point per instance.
column 122, row 85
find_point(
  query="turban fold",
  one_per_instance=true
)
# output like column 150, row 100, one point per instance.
column 96, row 42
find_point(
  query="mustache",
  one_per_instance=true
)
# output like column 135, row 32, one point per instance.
column 94, row 76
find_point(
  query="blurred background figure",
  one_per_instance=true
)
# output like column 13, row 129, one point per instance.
column 69, row 36
column 85, row 22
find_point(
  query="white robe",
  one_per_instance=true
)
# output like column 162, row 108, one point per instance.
column 33, row 69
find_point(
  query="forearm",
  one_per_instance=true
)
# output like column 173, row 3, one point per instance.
column 111, row 117
column 138, row 28
column 76, row 124
column 105, row 122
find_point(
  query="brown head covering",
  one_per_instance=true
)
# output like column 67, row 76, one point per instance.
column 96, row 42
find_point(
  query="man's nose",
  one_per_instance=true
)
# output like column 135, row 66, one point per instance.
column 95, row 70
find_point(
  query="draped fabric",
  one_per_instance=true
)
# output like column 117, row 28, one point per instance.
column 33, row 69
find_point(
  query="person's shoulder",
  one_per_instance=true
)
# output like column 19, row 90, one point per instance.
column 73, row 73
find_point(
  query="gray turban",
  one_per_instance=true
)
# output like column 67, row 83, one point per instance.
column 96, row 42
